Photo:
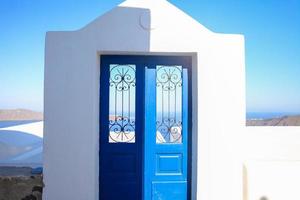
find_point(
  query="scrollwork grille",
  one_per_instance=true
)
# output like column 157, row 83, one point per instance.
column 122, row 103
column 168, row 104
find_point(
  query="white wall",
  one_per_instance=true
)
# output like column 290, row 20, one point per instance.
column 275, row 180
column 270, row 156
column 72, row 71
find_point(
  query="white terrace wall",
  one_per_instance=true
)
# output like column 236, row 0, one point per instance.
column 72, row 71
column 271, row 160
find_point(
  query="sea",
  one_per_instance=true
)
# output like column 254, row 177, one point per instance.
column 268, row 115
column 249, row 116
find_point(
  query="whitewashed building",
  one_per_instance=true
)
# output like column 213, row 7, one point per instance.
column 146, row 103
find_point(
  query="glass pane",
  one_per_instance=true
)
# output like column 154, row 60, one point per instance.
column 168, row 104
column 122, row 103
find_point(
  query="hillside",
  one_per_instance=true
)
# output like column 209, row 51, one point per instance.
column 20, row 114
column 283, row 121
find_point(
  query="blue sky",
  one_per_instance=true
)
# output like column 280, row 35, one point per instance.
column 271, row 30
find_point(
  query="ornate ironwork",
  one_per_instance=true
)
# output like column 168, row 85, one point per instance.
column 122, row 104
column 168, row 104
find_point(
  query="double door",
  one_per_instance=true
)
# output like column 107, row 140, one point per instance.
column 144, row 128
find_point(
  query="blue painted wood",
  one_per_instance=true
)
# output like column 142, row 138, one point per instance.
column 165, row 164
column 174, row 190
column 150, row 129
column 144, row 170
column 120, row 173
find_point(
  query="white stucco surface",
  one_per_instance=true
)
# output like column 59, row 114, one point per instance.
column 22, row 145
column 72, row 71
column 35, row 128
column 274, row 180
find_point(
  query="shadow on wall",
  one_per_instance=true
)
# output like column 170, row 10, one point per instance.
column 121, row 29
column 70, row 104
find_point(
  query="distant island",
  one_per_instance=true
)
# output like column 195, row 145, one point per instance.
column 280, row 121
column 25, row 114
column 19, row 114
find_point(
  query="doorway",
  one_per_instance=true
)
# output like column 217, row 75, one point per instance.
column 145, row 127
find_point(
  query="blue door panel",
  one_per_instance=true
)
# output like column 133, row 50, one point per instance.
column 120, row 191
column 171, row 190
column 169, row 164
column 128, row 163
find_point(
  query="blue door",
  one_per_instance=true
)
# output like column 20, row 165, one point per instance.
column 144, row 125
column 121, row 129
column 166, row 130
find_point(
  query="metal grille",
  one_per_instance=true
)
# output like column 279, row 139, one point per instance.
column 168, row 104
column 122, row 103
